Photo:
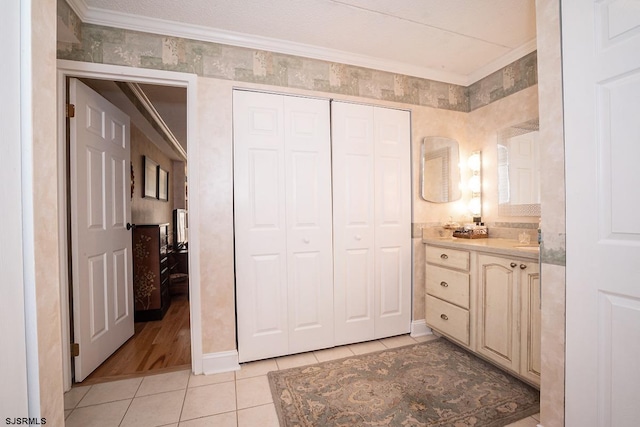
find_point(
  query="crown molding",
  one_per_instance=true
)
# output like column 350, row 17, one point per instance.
column 126, row 21
column 503, row 61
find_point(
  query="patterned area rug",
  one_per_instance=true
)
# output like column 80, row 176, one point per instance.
column 434, row 383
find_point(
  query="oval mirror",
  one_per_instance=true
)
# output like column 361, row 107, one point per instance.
column 440, row 170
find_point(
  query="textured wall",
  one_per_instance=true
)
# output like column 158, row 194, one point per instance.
column 148, row 210
column 553, row 252
column 437, row 109
column 45, row 204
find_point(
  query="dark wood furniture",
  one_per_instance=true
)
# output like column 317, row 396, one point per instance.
column 151, row 271
column 179, row 272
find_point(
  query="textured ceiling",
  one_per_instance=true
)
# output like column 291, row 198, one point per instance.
column 459, row 41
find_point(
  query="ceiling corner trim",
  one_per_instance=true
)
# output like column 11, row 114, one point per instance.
column 196, row 32
column 80, row 7
column 503, row 61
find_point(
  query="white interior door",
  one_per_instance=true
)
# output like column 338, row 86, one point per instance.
column 282, row 197
column 392, row 213
column 101, row 244
column 601, row 78
column 260, row 225
column 353, row 221
column 309, row 235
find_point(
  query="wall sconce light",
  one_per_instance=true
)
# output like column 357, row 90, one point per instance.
column 475, row 183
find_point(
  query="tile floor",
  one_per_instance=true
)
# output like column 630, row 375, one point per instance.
column 232, row 399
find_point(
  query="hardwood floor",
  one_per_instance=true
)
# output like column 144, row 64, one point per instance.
column 156, row 347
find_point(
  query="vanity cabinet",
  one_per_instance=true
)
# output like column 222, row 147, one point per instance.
column 448, row 293
column 531, row 321
column 487, row 302
column 498, row 313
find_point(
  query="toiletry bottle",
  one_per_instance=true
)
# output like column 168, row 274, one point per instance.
column 540, row 231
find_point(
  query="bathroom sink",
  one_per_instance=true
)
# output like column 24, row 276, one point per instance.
column 528, row 248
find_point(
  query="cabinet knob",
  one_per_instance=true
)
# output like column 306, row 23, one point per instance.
column 523, row 266
column 358, row 237
column 306, row 240
column 444, row 256
column 444, row 317
column 130, row 226
column 444, row 284
column 513, row 265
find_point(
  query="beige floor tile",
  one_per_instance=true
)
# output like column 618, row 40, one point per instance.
column 200, row 380
column 255, row 369
column 67, row 412
column 333, row 353
column 74, row 396
column 228, row 419
column 111, row 391
column 526, row 422
column 104, row 415
column 154, row 410
column 296, row 360
column 536, row 416
column 209, row 400
column 253, row 392
column 263, row 416
column 367, row 347
column 154, row 384
column 425, row 338
column 399, row 341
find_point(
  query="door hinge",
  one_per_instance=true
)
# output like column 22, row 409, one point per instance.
column 75, row 349
column 71, row 110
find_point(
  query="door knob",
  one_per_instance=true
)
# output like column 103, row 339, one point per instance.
column 130, row 226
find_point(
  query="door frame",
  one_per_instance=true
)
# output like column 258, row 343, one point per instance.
column 77, row 69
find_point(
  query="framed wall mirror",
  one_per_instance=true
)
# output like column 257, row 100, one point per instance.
column 440, row 170
column 519, row 170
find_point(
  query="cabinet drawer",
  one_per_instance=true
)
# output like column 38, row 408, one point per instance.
column 449, row 285
column 448, row 319
column 445, row 257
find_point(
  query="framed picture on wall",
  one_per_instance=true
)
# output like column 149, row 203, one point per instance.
column 150, row 184
column 163, row 184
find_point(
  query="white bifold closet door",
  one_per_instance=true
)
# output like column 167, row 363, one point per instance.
column 371, row 221
column 283, row 235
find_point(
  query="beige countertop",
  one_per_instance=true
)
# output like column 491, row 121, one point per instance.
column 492, row 245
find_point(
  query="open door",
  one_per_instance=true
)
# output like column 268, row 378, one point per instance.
column 100, row 239
column 601, row 79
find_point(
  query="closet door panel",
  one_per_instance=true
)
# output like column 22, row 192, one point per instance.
column 353, row 221
column 392, row 222
column 260, row 225
column 309, row 232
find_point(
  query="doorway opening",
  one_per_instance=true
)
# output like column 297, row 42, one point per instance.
column 166, row 341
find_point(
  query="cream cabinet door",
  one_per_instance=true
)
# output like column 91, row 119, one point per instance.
column 498, row 309
column 530, row 323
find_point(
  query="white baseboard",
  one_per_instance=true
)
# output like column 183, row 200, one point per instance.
column 419, row 328
column 224, row 361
